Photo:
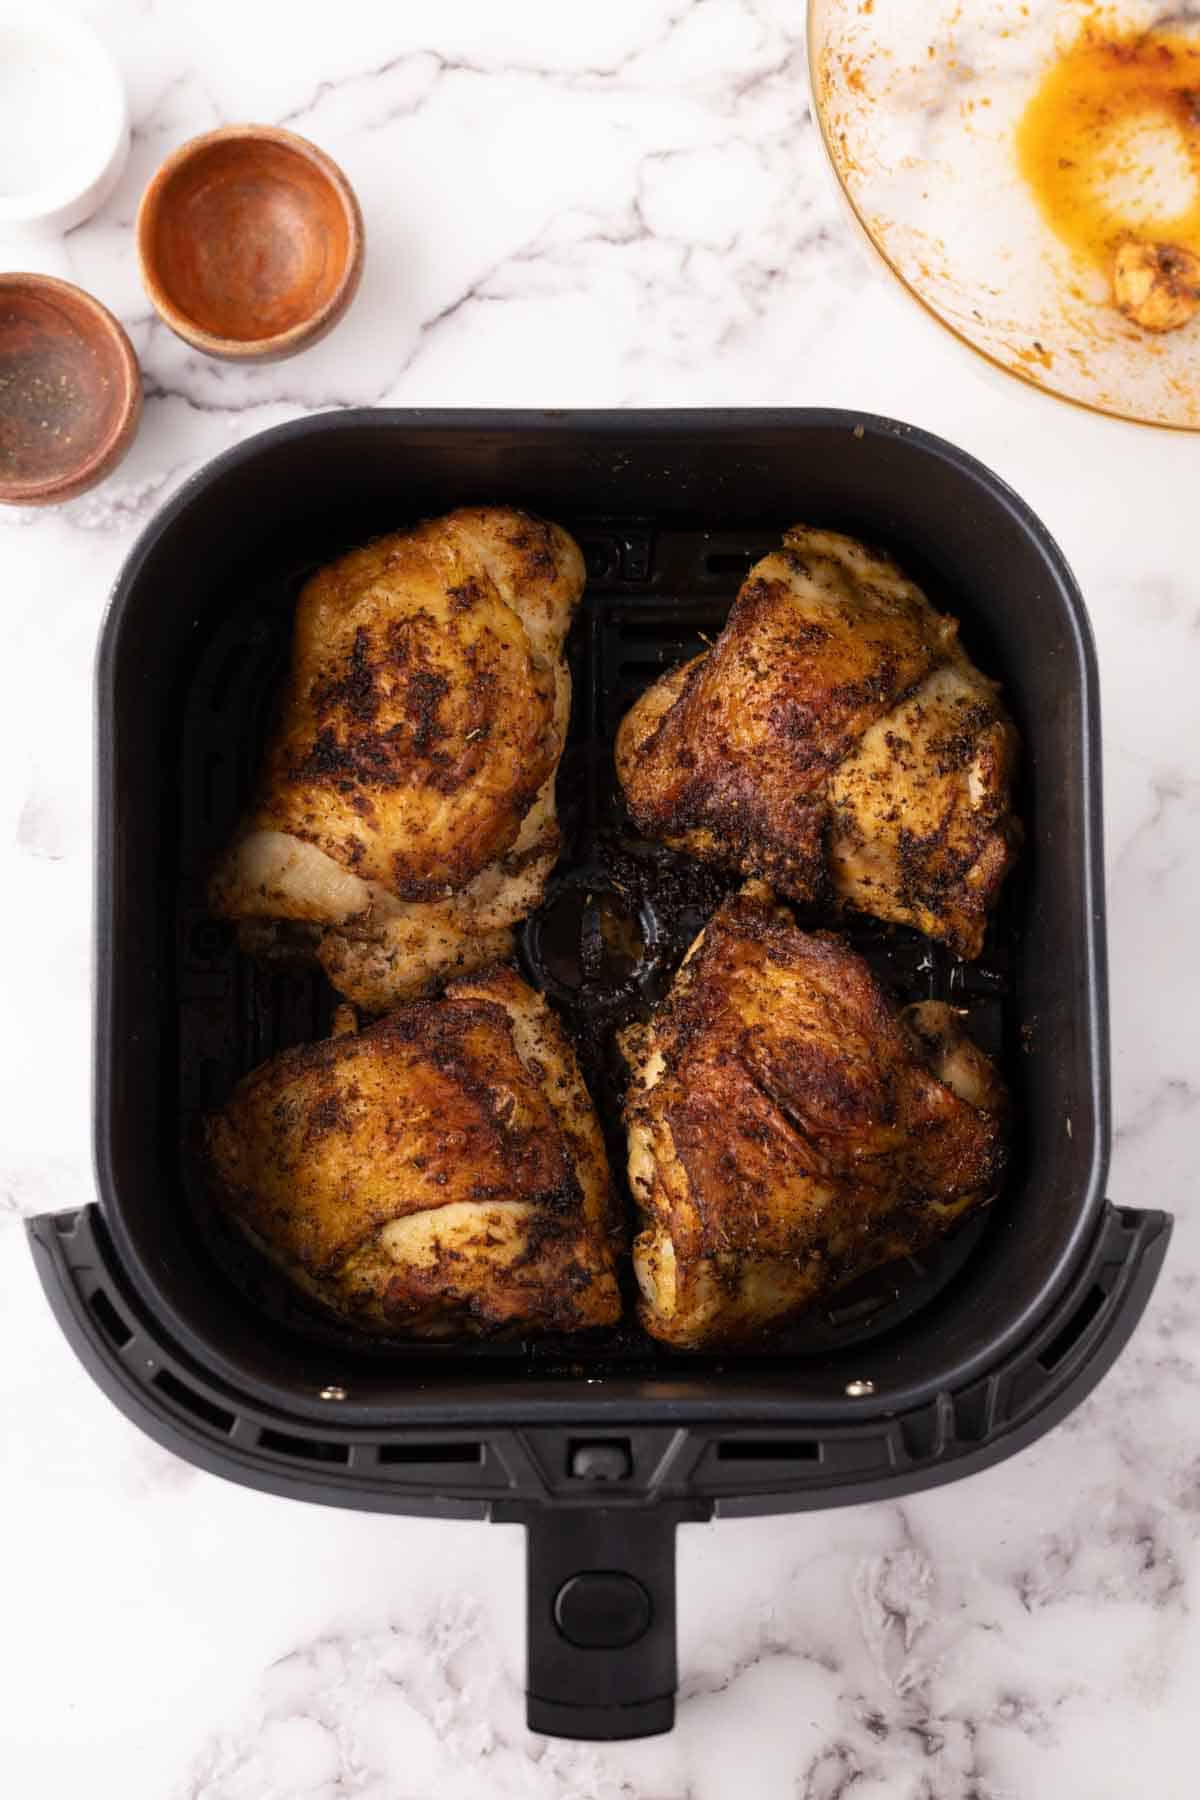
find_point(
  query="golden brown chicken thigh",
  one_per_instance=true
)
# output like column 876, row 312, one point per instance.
column 789, row 1129
column 835, row 741
column 404, row 818
column 440, row 1172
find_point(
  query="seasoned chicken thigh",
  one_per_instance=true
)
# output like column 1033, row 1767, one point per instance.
column 440, row 1172
column 837, row 742
column 404, row 818
column 789, row 1129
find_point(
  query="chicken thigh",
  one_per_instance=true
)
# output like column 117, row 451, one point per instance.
column 441, row 1172
column 789, row 1129
column 404, row 818
column 837, row 742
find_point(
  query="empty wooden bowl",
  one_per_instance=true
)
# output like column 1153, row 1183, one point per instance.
column 250, row 241
column 70, row 391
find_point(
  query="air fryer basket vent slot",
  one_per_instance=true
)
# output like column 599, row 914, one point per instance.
column 415, row 1454
column 110, row 1319
column 196, row 1403
column 752, row 1450
column 320, row 1450
column 974, row 1411
column 1073, row 1330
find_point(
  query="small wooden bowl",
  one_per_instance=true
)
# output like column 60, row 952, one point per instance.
column 250, row 241
column 70, row 391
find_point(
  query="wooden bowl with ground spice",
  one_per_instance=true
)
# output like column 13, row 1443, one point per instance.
column 70, row 391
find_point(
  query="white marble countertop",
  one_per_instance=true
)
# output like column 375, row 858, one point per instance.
column 612, row 205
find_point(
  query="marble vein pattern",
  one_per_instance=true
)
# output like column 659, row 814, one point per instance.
column 617, row 205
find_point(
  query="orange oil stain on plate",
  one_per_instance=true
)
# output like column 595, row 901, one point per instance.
column 1109, row 117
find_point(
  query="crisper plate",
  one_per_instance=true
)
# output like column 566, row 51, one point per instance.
column 619, row 915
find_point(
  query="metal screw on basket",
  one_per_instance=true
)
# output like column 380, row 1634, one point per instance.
column 332, row 1392
column 858, row 1390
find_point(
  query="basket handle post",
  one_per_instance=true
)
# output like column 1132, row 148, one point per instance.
column 601, row 1618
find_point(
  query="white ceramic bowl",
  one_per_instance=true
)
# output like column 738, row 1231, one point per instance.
column 64, row 122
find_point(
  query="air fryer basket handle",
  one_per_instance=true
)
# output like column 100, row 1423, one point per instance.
column 601, row 1619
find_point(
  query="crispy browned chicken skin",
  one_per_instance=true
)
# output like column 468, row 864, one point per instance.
column 789, row 1129
column 404, row 818
column 440, row 1172
column 835, row 741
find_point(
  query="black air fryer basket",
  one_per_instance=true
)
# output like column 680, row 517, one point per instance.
column 926, row 1372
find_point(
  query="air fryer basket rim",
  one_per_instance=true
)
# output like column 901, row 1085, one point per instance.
column 615, row 426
